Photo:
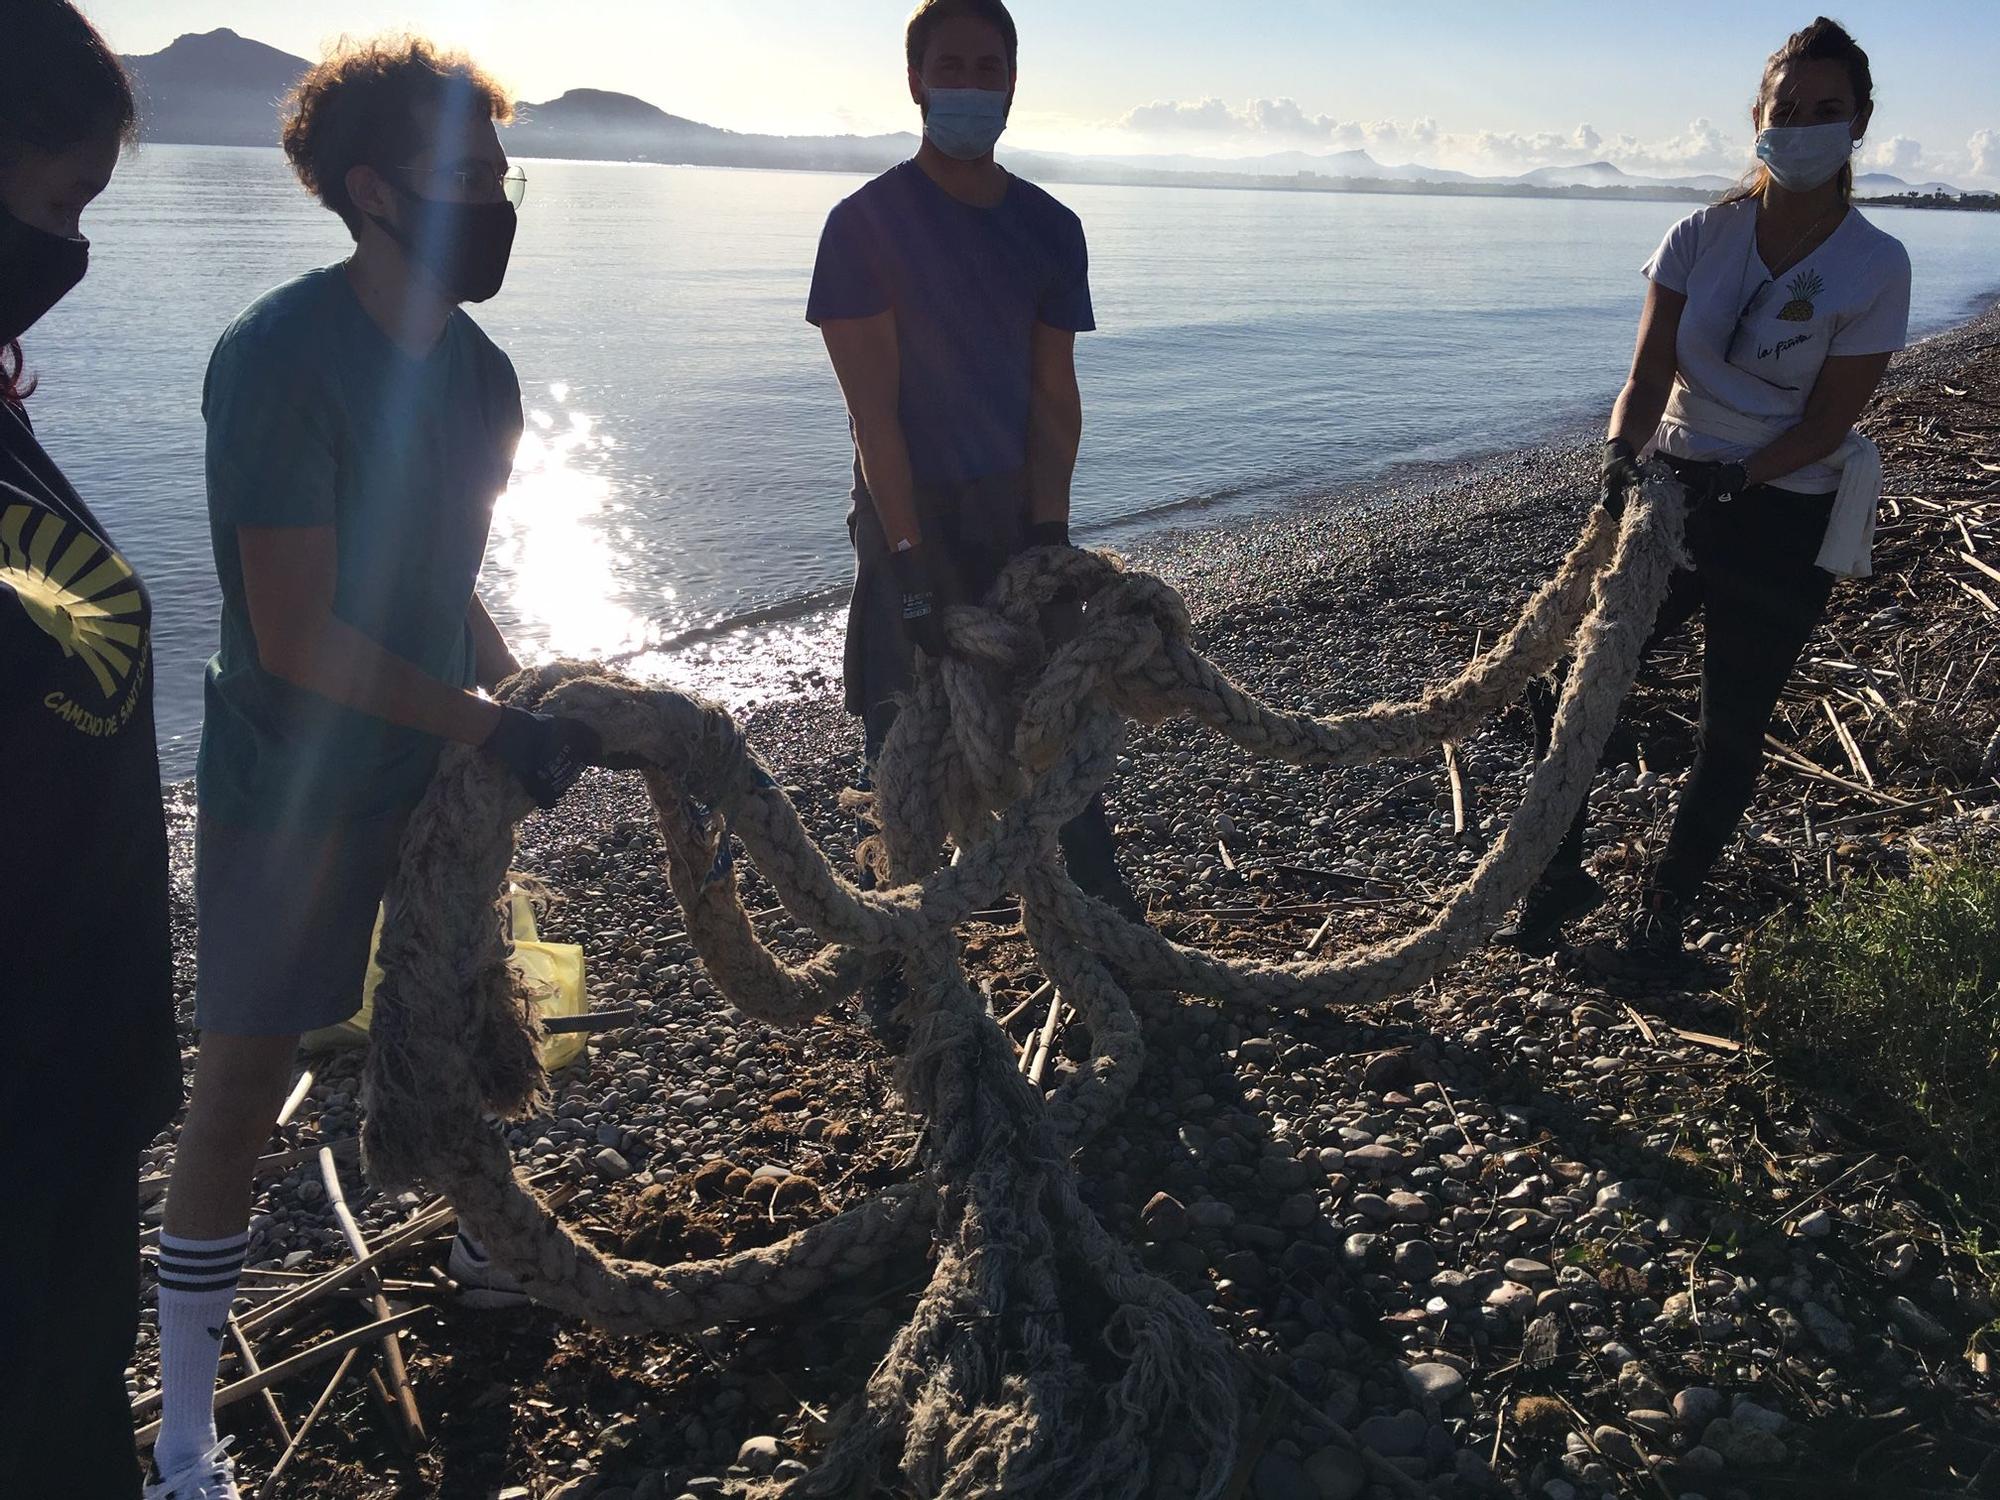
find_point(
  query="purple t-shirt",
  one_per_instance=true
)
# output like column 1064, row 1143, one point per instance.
column 967, row 285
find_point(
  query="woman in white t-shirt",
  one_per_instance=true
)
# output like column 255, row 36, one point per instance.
column 1769, row 320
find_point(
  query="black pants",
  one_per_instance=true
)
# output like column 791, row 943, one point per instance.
column 1760, row 594
column 972, row 534
column 69, row 1315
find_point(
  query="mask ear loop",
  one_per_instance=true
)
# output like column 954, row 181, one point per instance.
column 402, row 240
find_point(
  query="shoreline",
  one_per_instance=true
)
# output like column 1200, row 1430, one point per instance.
column 799, row 639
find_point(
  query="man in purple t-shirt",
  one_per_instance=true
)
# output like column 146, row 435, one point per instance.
column 950, row 294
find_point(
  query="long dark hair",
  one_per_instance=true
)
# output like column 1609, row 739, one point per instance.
column 1823, row 41
column 60, row 84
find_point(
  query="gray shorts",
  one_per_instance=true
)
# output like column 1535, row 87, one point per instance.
column 284, row 921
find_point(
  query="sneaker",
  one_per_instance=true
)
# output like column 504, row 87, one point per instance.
column 1557, row 900
column 481, row 1284
column 212, row 1476
column 1653, row 949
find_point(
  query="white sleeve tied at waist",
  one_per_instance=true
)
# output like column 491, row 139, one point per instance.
column 1850, row 531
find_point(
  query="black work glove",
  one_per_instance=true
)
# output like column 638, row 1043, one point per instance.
column 1617, row 478
column 544, row 752
column 921, row 602
column 1707, row 482
column 1062, row 616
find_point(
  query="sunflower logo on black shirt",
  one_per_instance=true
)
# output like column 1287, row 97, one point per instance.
column 84, row 597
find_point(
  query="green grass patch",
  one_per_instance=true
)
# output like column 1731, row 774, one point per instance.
column 1890, row 991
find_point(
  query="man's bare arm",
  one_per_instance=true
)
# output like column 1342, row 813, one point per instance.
column 288, row 582
column 868, row 364
column 493, row 660
column 1055, row 424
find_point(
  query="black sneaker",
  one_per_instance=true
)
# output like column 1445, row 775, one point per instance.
column 1654, row 949
column 1558, row 899
column 1117, row 895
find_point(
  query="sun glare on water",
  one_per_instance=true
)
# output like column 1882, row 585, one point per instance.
column 561, row 559
column 553, row 543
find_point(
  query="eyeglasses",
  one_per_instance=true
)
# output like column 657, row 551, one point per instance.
column 476, row 184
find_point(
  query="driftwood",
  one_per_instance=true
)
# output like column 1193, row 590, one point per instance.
column 249, row 1357
column 392, row 1350
column 592, row 1021
column 269, row 1489
column 294, row 1099
column 305, row 1359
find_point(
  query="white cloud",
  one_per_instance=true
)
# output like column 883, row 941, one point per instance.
column 1898, row 154
column 1260, row 124
column 1172, row 116
column 1984, row 149
column 1283, row 117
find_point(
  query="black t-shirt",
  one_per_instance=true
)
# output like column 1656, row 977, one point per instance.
column 86, row 957
column 967, row 286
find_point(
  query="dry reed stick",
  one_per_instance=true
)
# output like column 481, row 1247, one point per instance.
column 392, row 1349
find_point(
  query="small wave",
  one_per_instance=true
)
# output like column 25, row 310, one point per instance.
column 782, row 612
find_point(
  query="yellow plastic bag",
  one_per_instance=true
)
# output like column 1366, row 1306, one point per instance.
column 554, row 972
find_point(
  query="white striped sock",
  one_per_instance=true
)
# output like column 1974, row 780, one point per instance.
column 197, row 1283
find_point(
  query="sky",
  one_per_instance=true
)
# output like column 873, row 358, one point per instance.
column 1495, row 87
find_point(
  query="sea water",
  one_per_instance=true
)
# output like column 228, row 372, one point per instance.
column 679, row 497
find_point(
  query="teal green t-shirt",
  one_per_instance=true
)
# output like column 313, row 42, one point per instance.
column 315, row 418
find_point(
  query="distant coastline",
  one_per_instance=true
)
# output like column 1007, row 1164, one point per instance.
column 1977, row 203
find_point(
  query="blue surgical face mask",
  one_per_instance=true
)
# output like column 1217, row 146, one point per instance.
column 964, row 123
column 1803, row 157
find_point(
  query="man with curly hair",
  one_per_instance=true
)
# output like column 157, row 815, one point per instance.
column 360, row 426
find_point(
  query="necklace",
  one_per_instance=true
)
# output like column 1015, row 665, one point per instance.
column 1771, row 276
column 1782, row 264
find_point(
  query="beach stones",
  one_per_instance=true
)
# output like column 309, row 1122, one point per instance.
column 1434, row 1382
column 1697, row 1406
column 1338, row 1474
column 758, row 1454
column 1620, row 1197
column 1165, row 1218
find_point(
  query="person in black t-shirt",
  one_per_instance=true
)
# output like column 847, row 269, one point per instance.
column 950, row 293
column 90, row 1072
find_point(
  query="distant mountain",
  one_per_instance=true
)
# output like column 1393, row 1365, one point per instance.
column 592, row 124
column 1349, row 165
column 1884, row 184
column 222, row 89
column 217, row 89
column 1604, row 174
column 1587, row 174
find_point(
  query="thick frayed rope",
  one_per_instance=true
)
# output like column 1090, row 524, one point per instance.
column 1041, row 1358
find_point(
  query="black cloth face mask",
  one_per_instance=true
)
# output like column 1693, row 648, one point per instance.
column 37, row 270
column 465, row 246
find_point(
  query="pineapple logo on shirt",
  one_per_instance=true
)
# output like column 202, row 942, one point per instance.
column 1805, row 289
column 83, row 596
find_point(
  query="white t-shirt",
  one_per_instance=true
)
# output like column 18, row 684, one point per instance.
column 1754, row 342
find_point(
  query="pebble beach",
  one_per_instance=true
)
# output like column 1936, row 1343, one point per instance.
column 1510, row 1234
